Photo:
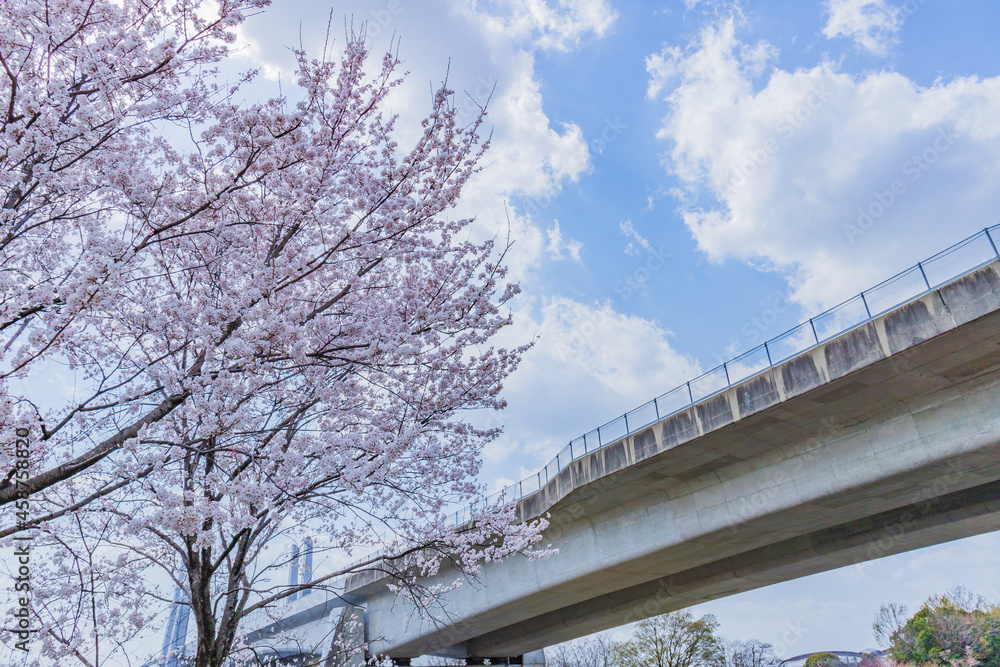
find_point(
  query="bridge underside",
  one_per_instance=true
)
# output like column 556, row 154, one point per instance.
column 933, row 521
column 883, row 440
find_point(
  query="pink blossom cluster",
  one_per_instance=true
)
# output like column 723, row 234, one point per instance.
column 272, row 324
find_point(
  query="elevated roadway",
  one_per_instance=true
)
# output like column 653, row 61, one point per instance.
column 881, row 440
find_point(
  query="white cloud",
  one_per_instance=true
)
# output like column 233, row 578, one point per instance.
column 635, row 239
column 673, row 62
column 717, row 8
column 557, row 245
column 590, row 364
column 545, row 25
column 662, row 67
column 529, row 155
column 782, row 175
column 872, row 24
column 757, row 57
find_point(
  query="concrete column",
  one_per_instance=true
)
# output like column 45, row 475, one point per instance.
column 347, row 648
column 534, row 659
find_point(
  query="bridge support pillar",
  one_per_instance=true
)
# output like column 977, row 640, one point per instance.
column 534, row 659
column 348, row 646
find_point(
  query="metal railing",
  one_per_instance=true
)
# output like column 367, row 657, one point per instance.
column 957, row 261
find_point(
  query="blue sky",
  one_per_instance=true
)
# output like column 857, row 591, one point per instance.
column 676, row 174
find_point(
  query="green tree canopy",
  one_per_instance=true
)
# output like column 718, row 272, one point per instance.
column 823, row 660
column 945, row 630
column 676, row 639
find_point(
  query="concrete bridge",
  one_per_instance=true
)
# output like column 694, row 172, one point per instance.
column 879, row 440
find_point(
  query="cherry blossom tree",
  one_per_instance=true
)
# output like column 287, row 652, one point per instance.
column 226, row 324
column 593, row 651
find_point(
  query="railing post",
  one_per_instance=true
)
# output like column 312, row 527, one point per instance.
column 626, row 424
column 920, row 265
column 766, row 349
column 865, row 301
column 656, row 406
column 690, row 395
column 729, row 382
column 990, row 237
column 813, row 325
